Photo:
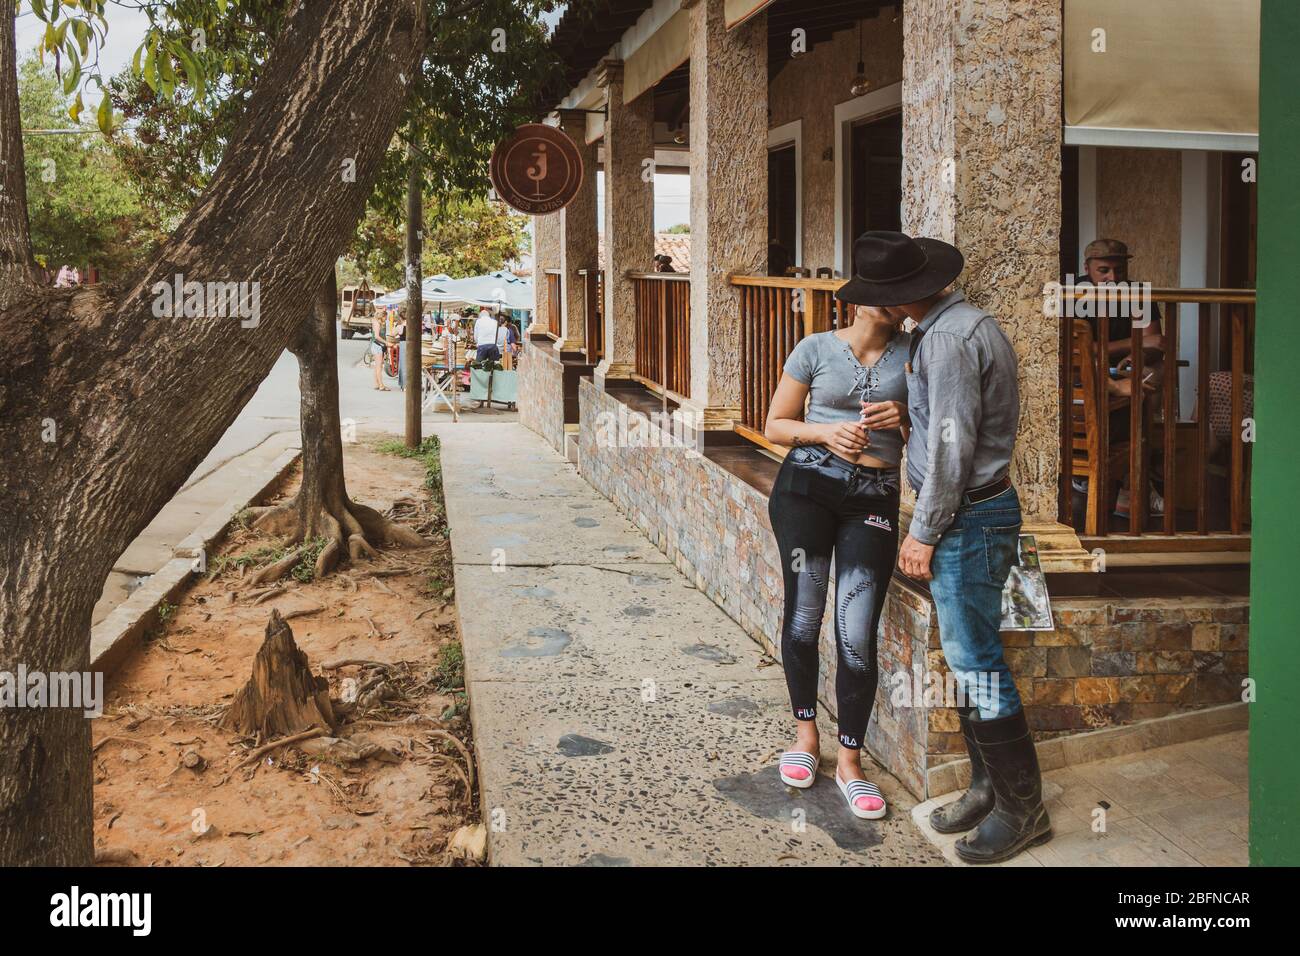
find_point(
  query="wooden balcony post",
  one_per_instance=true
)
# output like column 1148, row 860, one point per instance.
column 578, row 239
column 728, row 161
column 629, row 217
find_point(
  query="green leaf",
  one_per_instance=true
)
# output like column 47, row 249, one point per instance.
column 81, row 30
column 75, row 110
column 193, row 72
column 150, row 74
column 104, row 116
column 38, row 8
column 73, row 75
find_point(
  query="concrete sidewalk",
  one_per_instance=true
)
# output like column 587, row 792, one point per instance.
column 620, row 716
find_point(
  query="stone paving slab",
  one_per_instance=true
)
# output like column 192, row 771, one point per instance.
column 616, row 621
column 520, row 531
column 620, row 718
column 1182, row 805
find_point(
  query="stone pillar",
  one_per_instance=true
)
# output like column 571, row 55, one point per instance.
column 578, row 238
column 982, row 141
column 728, row 134
column 546, row 255
column 629, row 216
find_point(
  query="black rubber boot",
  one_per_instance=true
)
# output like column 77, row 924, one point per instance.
column 1018, row 818
column 973, row 805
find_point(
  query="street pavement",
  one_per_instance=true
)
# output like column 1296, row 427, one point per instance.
column 620, row 717
column 243, row 457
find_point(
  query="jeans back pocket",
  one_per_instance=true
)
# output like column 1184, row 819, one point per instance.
column 1001, row 551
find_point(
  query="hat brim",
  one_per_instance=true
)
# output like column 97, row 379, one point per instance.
column 944, row 264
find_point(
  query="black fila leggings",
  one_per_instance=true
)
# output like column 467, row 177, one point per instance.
column 823, row 506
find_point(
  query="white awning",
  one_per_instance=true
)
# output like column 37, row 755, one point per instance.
column 738, row 11
column 1168, row 73
column 664, row 51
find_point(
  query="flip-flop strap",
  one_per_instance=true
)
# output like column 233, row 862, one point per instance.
column 798, row 758
column 863, row 788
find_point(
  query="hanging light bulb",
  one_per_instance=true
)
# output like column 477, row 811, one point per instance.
column 860, row 82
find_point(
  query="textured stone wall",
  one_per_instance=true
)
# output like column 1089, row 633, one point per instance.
column 578, row 237
column 541, row 391
column 629, row 216
column 808, row 89
column 981, row 152
column 546, row 255
column 1107, row 663
column 1140, row 202
column 728, row 91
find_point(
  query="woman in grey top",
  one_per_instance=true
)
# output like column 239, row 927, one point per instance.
column 837, row 495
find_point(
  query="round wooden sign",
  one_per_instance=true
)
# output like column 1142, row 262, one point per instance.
column 537, row 170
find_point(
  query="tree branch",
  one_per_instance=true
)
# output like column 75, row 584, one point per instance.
column 17, row 269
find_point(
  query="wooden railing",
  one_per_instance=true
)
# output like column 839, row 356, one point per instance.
column 775, row 313
column 663, row 331
column 554, row 302
column 593, row 290
column 1192, row 434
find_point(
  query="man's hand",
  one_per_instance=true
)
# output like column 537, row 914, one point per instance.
column 914, row 559
column 846, row 439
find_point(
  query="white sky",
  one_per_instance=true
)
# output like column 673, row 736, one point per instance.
column 126, row 27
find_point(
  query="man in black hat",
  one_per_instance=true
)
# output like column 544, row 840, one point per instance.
column 964, row 404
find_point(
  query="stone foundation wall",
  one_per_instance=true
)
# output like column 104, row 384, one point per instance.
column 1107, row 663
column 541, row 391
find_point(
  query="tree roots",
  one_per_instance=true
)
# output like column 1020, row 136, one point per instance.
column 352, row 529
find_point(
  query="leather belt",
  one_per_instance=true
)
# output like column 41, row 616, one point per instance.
column 974, row 496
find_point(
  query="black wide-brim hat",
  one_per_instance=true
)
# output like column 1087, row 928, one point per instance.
column 892, row 268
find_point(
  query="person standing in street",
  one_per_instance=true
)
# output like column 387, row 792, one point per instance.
column 485, row 337
column 964, row 407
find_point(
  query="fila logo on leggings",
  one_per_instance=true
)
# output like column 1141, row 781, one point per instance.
column 805, row 713
column 878, row 522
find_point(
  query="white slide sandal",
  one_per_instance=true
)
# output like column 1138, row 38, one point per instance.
column 798, row 760
column 855, row 790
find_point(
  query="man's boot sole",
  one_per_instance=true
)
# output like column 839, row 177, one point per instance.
column 1009, row 853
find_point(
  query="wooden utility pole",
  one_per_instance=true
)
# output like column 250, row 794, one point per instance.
column 414, row 298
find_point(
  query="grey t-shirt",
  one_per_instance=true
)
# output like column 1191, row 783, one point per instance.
column 838, row 384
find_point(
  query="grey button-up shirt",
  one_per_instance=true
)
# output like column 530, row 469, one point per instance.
column 964, row 403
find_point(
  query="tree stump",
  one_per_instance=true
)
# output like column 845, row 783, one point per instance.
column 283, row 696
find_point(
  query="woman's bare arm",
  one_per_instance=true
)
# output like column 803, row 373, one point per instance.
column 785, row 424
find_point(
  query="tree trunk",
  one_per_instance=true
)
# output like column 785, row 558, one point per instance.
column 322, row 509
column 414, row 298
column 17, row 270
column 108, row 402
column 283, row 696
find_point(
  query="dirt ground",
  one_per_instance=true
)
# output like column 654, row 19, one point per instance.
column 169, row 790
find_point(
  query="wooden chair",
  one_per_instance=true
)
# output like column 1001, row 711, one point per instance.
column 1087, row 453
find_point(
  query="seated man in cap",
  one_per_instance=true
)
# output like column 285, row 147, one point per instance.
column 1105, row 262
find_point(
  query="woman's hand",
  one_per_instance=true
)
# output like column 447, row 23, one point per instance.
column 846, row 439
column 884, row 416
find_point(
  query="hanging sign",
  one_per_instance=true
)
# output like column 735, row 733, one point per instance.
column 537, row 170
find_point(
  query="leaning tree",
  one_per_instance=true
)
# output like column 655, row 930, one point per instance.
column 482, row 71
column 111, row 395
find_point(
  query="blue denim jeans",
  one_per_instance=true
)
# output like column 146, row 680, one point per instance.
column 970, row 566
